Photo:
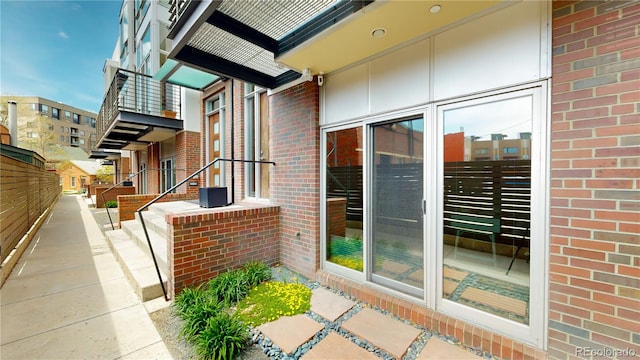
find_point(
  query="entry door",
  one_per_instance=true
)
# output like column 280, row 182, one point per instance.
column 214, row 149
column 167, row 177
column 397, row 223
column 264, row 145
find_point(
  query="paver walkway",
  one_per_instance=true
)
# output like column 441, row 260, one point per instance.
column 354, row 329
column 67, row 297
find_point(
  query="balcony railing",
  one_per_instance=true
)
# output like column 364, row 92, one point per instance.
column 137, row 93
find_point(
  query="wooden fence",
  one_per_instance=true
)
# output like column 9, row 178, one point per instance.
column 26, row 191
column 489, row 189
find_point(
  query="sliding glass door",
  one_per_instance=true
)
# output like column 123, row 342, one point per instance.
column 397, row 230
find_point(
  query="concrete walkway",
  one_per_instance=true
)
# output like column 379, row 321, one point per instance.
column 67, row 297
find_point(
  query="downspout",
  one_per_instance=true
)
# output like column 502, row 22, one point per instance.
column 13, row 123
column 233, row 156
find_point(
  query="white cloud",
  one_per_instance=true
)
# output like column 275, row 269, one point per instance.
column 63, row 35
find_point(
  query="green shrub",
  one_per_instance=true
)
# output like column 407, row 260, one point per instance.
column 224, row 336
column 257, row 273
column 197, row 315
column 268, row 301
column 111, row 204
column 188, row 298
column 229, row 287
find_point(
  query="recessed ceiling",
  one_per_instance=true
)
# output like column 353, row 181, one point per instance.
column 350, row 41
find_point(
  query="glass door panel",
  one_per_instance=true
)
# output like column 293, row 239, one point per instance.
column 487, row 205
column 396, row 211
column 344, row 198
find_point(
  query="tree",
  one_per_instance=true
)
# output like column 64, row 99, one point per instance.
column 105, row 174
column 37, row 135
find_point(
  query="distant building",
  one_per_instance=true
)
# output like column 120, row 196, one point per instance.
column 43, row 123
column 77, row 173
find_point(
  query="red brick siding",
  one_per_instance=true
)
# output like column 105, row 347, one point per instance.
column 129, row 204
column 295, row 180
column 188, row 155
column 595, row 152
column 207, row 243
column 111, row 194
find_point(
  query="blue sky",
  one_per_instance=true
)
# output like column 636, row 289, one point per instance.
column 56, row 49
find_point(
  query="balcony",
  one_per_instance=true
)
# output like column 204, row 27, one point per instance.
column 138, row 110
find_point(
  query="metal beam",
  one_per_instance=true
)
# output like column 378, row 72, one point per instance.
column 242, row 30
column 223, row 67
column 148, row 120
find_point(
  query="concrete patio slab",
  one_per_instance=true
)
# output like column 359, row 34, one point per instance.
column 333, row 346
column 289, row 332
column 382, row 331
column 437, row 349
column 329, row 305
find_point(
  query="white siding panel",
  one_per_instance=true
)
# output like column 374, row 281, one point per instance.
column 500, row 49
column 190, row 109
column 400, row 79
column 347, row 94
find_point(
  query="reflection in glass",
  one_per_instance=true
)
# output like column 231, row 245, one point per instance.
column 397, row 192
column 344, row 198
column 487, row 192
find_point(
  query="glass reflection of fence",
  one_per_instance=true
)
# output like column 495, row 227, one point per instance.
column 490, row 189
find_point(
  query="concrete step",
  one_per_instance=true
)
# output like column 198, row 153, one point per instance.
column 154, row 221
column 133, row 229
column 173, row 207
column 137, row 265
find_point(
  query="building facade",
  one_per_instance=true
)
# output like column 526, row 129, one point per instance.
column 43, row 123
column 486, row 157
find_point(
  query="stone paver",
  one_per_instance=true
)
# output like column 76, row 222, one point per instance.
column 383, row 331
column 329, row 305
column 289, row 332
column 333, row 346
column 437, row 349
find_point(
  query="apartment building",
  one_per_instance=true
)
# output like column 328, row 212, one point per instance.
column 43, row 122
column 147, row 115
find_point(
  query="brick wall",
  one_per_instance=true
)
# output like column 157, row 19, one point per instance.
column 129, row 204
column 111, row 194
column 595, row 191
column 295, row 180
column 209, row 242
column 336, row 216
column 188, row 157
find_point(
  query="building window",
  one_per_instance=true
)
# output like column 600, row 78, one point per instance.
column 73, row 181
column 76, row 119
column 256, row 141
column 55, row 113
column 81, row 133
column 81, row 141
column 44, row 109
column 86, row 120
column 61, row 128
column 61, row 138
column 93, row 122
column 67, row 114
column 32, row 135
column 51, row 127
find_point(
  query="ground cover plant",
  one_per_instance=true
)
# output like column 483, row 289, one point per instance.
column 217, row 314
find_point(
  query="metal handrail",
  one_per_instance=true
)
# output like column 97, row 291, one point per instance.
column 122, row 182
column 145, row 206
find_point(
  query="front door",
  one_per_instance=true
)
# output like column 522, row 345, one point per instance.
column 214, row 149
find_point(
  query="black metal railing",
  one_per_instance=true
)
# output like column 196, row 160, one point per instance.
column 137, row 93
column 145, row 206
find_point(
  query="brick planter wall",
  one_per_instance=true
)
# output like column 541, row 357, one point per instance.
column 295, row 181
column 129, row 204
column 213, row 241
column 595, row 192
column 112, row 195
